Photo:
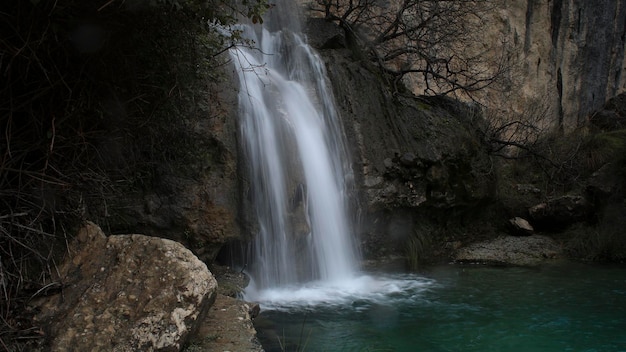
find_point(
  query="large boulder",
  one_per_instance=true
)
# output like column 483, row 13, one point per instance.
column 520, row 226
column 126, row 293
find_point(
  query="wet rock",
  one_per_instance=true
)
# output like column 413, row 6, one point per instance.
column 255, row 310
column 227, row 327
column 231, row 282
column 511, row 250
column 324, row 34
column 372, row 181
column 127, row 293
column 437, row 175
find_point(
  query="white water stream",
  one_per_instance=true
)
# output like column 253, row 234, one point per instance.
column 304, row 254
column 299, row 168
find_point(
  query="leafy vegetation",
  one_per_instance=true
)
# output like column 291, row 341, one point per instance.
column 417, row 248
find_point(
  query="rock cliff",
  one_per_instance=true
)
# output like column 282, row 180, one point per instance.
column 173, row 166
column 569, row 56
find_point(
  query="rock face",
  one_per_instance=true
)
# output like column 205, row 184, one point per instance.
column 566, row 57
column 415, row 158
column 199, row 206
column 175, row 175
column 127, row 293
column 571, row 55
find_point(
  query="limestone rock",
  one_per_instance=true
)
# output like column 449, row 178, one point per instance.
column 511, row 250
column 127, row 293
column 572, row 55
column 521, row 226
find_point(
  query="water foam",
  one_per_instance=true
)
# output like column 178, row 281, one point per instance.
column 361, row 290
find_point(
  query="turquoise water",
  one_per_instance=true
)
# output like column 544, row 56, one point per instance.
column 454, row 308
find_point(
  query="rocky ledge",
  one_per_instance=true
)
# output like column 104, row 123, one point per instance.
column 227, row 327
column 511, row 250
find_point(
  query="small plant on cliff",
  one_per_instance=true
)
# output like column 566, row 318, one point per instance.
column 417, row 248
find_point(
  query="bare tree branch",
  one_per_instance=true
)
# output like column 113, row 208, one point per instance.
column 434, row 42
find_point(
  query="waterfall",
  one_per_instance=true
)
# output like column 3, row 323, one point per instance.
column 298, row 164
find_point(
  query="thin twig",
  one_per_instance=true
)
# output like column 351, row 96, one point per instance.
column 13, row 215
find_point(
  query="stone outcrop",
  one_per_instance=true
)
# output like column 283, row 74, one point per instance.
column 604, row 182
column 227, row 327
column 521, row 226
column 511, row 250
column 570, row 54
column 126, row 293
column 408, row 151
column 197, row 207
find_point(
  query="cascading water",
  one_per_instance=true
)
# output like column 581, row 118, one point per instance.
column 298, row 162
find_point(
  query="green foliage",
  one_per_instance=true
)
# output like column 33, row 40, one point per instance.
column 417, row 248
